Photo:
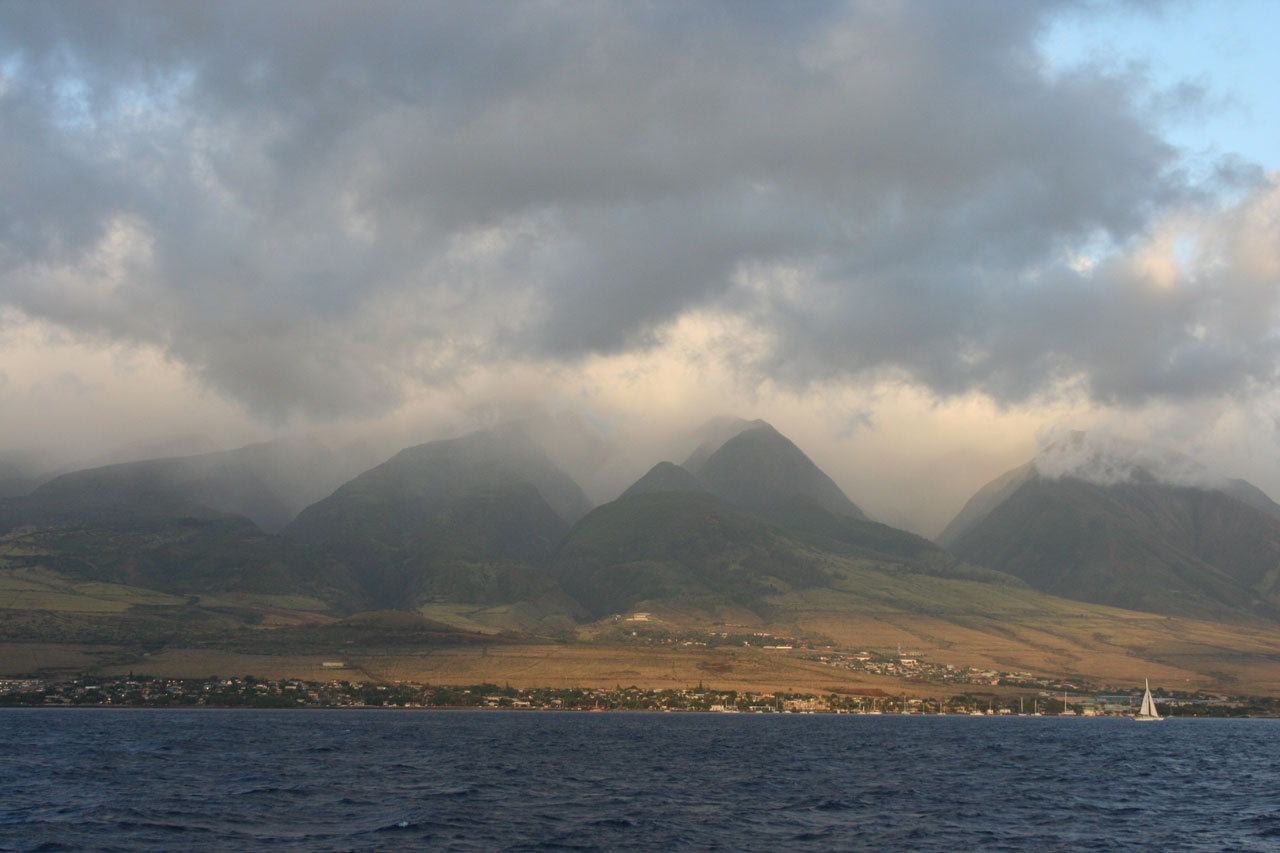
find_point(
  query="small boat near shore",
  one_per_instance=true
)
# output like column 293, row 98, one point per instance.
column 1147, row 713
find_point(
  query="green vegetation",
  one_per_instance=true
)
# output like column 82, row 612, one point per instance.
column 37, row 588
column 681, row 547
column 250, row 692
column 666, row 477
column 1141, row 546
column 468, row 520
column 465, row 546
column 181, row 556
column 761, row 470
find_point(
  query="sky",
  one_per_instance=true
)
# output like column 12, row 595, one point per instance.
column 920, row 238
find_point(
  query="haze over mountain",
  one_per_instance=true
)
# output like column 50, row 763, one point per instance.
column 267, row 483
column 713, row 434
column 1106, row 522
column 762, row 470
column 1103, row 460
column 483, row 519
column 182, row 525
column 753, row 466
column 682, row 549
column 19, row 474
column 763, row 520
column 220, row 556
column 465, row 519
column 666, row 477
column 740, row 237
column 489, row 520
column 474, row 534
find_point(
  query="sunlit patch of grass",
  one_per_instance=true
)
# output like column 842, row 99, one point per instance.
column 304, row 603
column 128, row 594
column 43, row 589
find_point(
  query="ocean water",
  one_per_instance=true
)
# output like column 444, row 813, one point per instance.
column 151, row 779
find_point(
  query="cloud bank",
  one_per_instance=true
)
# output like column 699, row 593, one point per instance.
column 1106, row 459
column 321, row 209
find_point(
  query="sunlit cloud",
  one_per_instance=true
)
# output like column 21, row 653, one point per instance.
column 912, row 235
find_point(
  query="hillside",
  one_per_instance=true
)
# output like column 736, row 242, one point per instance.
column 665, row 477
column 1136, row 543
column 761, row 470
column 712, row 435
column 226, row 555
column 679, row 548
column 267, row 483
column 19, row 473
column 486, row 539
column 984, row 501
column 874, row 541
column 697, row 552
column 467, row 519
column 775, row 518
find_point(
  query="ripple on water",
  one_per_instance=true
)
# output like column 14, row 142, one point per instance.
column 545, row 781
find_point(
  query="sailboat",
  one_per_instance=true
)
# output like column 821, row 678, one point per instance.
column 1148, row 710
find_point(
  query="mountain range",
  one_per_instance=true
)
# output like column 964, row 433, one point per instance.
column 267, row 483
column 488, row 524
column 1102, row 524
column 472, row 519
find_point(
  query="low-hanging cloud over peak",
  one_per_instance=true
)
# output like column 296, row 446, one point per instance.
column 318, row 208
column 1106, row 459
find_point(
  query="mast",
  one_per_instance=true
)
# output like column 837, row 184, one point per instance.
column 1148, row 710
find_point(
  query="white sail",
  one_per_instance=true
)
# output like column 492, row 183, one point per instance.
column 1148, row 710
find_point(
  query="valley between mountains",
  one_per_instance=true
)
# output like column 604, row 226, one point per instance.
column 478, row 559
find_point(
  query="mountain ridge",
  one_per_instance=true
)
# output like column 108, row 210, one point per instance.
column 1129, row 540
column 444, row 519
column 760, row 469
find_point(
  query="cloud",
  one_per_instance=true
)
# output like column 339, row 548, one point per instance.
column 322, row 209
column 1107, row 459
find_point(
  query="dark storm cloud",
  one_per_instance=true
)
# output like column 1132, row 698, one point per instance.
column 317, row 205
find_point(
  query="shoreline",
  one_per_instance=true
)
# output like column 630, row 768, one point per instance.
column 638, row 711
column 134, row 692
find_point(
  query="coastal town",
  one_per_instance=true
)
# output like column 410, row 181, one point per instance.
column 249, row 692
column 908, row 666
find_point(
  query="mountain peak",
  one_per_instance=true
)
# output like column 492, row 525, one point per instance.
column 458, row 519
column 762, row 470
column 503, row 452
column 665, row 477
column 1107, row 460
column 713, row 434
column 1115, row 522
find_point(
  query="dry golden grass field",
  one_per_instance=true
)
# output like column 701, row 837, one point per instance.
column 574, row 665
column 941, row 621
column 1174, row 654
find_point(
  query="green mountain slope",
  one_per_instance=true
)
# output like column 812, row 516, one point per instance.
column 167, row 525
column 467, row 519
column 712, row 435
column 1138, row 545
column 1246, row 492
column 697, row 551
column 683, row 548
column 984, row 501
column 182, row 556
column 266, row 483
column 878, row 542
column 761, row 470
column 665, row 477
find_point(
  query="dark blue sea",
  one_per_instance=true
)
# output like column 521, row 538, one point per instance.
column 140, row 779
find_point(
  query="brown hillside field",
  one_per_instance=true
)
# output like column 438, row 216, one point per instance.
column 577, row 665
column 1175, row 654
column 941, row 621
